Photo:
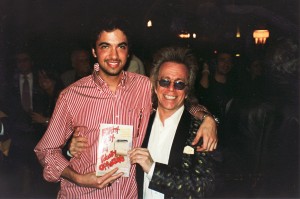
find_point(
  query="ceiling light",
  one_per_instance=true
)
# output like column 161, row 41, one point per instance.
column 261, row 36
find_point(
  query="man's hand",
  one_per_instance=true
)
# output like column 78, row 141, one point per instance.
column 78, row 144
column 100, row 182
column 208, row 131
column 142, row 157
column 90, row 179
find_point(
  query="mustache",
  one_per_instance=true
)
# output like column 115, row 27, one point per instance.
column 112, row 60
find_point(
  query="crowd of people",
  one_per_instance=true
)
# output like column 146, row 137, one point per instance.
column 219, row 128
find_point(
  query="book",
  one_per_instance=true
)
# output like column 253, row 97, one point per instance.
column 114, row 143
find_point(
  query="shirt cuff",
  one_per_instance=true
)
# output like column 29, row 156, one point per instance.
column 1, row 129
column 150, row 173
column 69, row 154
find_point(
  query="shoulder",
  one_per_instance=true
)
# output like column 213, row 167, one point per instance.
column 84, row 83
column 193, row 121
column 135, row 77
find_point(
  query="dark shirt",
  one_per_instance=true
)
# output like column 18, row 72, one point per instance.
column 216, row 96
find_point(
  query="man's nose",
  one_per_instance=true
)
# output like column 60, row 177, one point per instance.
column 114, row 53
column 171, row 86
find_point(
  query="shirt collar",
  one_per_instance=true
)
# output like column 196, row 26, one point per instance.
column 173, row 119
column 29, row 76
column 100, row 82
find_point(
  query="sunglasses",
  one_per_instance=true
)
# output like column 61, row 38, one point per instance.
column 178, row 84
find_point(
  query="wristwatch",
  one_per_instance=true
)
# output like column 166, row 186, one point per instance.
column 207, row 114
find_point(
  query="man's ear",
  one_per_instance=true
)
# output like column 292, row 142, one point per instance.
column 94, row 52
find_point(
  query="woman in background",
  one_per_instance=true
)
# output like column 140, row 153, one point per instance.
column 51, row 85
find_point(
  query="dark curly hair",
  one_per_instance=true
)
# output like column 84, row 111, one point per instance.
column 109, row 24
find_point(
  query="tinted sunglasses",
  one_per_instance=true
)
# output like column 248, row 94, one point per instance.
column 178, row 84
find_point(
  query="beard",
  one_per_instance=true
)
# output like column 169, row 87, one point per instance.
column 111, row 72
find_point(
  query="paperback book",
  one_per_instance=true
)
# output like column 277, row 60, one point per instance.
column 114, row 143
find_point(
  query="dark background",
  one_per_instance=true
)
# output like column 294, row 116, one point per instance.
column 52, row 27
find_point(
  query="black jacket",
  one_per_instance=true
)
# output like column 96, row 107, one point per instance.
column 185, row 176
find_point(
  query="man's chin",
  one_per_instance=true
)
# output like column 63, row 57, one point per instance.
column 113, row 73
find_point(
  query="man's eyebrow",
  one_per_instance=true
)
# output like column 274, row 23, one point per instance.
column 120, row 44
column 103, row 43
column 123, row 43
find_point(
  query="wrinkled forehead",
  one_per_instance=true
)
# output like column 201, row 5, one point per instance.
column 173, row 70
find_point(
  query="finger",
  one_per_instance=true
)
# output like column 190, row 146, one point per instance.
column 138, row 158
column 82, row 145
column 81, row 139
column 76, row 131
column 215, row 145
column 133, row 152
column 205, row 143
column 110, row 181
column 79, row 144
column 209, row 144
column 197, row 138
column 109, row 174
column 137, row 149
column 75, row 134
column 109, row 177
column 76, row 155
column 200, row 149
column 75, row 150
column 133, row 159
column 141, row 159
column 137, row 155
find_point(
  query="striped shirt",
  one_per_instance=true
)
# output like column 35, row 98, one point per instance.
column 89, row 102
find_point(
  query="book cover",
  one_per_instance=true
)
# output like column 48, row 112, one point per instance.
column 114, row 143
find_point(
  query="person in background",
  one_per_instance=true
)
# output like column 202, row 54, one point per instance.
column 7, row 178
column 177, row 171
column 80, row 60
column 136, row 65
column 281, row 170
column 215, row 87
column 252, row 80
column 110, row 95
column 23, row 97
column 261, row 152
column 51, row 85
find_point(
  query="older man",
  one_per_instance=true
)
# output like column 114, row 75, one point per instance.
column 172, row 167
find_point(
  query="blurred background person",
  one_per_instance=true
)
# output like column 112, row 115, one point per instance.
column 215, row 87
column 24, row 96
column 252, row 77
column 135, row 65
column 81, row 67
column 261, row 149
column 51, row 84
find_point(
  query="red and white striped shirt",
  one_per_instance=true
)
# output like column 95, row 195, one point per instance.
column 89, row 102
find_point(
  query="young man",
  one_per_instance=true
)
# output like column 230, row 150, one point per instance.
column 109, row 95
column 216, row 89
